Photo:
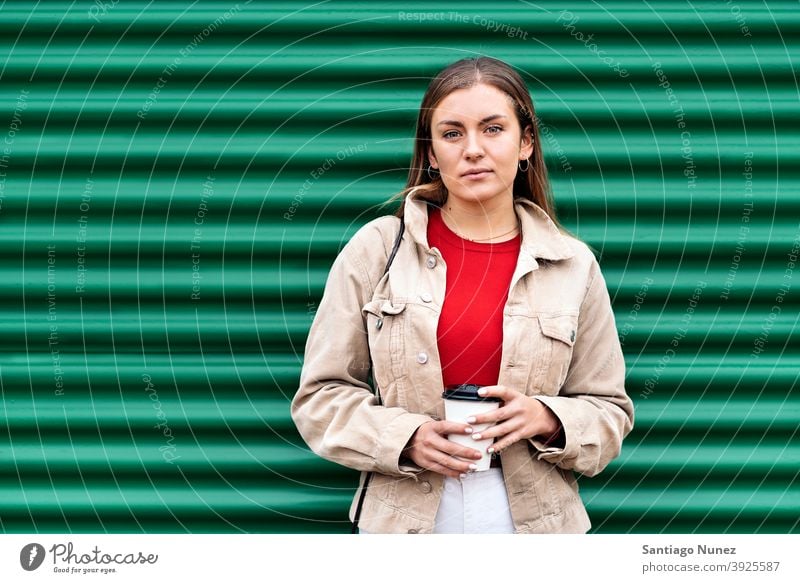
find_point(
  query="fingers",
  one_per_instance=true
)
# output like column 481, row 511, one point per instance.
column 451, row 447
column 508, row 439
column 444, row 470
column 433, row 451
column 464, row 452
column 498, row 430
column 448, row 465
column 451, row 466
column 502, row 412
column 495, row 391
column 499, row 414
column 446, row 427
column 441, row 445
column 521, row 416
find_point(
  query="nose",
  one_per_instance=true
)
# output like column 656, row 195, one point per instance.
column 473, row 147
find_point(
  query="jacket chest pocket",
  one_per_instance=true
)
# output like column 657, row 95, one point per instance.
column 553, row 350
column 385, row 323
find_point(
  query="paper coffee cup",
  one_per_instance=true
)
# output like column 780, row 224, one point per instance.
column 461, row 402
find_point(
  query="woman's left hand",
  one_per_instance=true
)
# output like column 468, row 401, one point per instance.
column 518, row 417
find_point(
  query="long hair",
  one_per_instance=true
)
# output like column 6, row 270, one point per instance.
column 532, row 184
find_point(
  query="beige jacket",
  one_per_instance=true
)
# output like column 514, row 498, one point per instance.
column 560, row 346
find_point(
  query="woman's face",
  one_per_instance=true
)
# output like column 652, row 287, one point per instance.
column 476, row 129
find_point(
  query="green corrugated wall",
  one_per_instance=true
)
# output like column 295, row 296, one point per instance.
column 176, row 179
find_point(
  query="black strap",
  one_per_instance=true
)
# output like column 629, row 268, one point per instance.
column 396, row 246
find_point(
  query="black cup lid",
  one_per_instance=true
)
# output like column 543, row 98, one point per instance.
column 466, row 392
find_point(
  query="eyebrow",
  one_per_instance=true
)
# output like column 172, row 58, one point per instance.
column 461, row 125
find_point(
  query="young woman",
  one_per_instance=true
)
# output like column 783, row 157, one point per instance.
column 484, row 288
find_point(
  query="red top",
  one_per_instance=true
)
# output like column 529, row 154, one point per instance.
column 470, row 332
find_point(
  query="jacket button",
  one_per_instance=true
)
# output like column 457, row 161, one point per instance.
column 425, row 487
column 426, row 297
column 572, row 336
column 422, row 358
column 379, row 323
column 431, row 262
column 413, row 531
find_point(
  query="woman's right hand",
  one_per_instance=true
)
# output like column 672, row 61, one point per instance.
column 429, row 448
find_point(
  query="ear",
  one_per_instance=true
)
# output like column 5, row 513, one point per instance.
column 432, row 158
column 526, row 144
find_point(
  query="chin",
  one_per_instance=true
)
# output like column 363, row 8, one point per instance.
column 476, row 194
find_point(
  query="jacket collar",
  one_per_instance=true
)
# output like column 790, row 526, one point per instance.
column 541, row 239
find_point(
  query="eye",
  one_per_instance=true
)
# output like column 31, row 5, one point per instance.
column 498, row 128
column 449, row 134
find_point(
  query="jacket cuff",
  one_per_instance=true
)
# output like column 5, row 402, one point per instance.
column 549, row 451
column 392, row 442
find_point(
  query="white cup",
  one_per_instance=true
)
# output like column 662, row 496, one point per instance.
column 461, row 402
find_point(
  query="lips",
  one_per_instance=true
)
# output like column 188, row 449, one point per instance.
column 476, row 172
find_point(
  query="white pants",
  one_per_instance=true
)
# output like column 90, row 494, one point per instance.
column 475, row 504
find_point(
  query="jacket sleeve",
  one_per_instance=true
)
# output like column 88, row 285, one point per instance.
column 594, row 410
column 334, row 408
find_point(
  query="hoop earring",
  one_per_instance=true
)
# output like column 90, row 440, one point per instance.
column 432, row 177
column 527, row 165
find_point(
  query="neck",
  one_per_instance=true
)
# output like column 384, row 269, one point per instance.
column 493, row 222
